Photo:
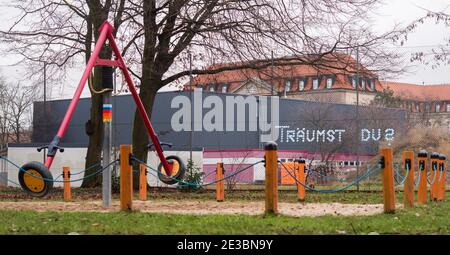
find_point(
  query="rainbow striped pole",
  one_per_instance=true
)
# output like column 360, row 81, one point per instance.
column 107, row 82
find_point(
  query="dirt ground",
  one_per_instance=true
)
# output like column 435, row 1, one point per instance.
column 202, row 207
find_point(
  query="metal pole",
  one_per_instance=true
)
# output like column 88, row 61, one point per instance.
column 107, row 82
column 273, row 76
column 190, row 95
column 357, row 117
column 45, row 107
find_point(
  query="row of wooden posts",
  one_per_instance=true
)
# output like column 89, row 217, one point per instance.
column 437, row 189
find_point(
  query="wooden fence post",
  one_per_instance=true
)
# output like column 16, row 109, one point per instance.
column 434, row 159
column 442, row 188
column 408, row 189
column 142, row 182
column 126, row 178
column 301, row 177
column 388, row 180
column 271, row 160
column 67, row 190
column 220, row 185
column 422, row 189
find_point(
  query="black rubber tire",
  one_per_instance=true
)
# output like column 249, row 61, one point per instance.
column 167, row 180
column 43, row 171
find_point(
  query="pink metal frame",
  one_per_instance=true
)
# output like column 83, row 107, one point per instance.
column 106, row 33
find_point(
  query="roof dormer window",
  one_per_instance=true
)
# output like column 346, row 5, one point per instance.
column 212, row 88
column 301, row 84
column 287, row 87
column 224, row 88
column 315, row 83
column 354, row 82
column 329, row 83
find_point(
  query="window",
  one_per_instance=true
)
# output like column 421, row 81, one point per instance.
column 224, row 88
column 363, row 84
column 301, row 85
column 252, row 90
column 427, row 107
column 372, row 84
column 354, row 82
column 315, row 83
column 212, row 88
column 329, row 83
column 448, row 107
column 287, row 87
column 438, row 107
column 417, row 107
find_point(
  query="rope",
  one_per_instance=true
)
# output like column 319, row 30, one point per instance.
column 51, row 180
column 355, row 181
column 434, row 177
column 196, row 184
column 397, row 173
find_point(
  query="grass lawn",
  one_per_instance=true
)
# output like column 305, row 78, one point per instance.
column 434, row 218
column 431, row 219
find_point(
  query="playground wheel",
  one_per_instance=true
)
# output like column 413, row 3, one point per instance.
column 178, row 171
column 35, row 179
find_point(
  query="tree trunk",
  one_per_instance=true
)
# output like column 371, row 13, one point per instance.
column 140, row 133
column 94, row 127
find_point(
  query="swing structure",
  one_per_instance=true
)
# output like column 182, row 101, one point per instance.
column 36, row 178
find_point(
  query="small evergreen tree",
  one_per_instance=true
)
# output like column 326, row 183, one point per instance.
column 194, row 175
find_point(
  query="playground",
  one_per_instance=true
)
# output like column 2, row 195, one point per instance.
column 398, row 191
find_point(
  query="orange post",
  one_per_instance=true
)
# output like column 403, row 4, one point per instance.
column 441, row 185
column 126, row 178
column 388, row 180
column 271, row 181
column 220, row 185
column 67, row 190
column 444, row 185
column 422, row 189
column 301, row 177
column 142, row 182
column 435, row 175
column 408, row 189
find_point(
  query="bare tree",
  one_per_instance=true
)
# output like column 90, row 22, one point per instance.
column 58, row 34
column 245, row 32
column 15, row 112
column 438, row 55
column 159, row 36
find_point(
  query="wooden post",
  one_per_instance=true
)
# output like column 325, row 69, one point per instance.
column 434, row 175
column 67, row 190
column 126, row 178
column 142, row 182
column 301, row 177
column 441, row 185
column 422, row 189
column 388, row 180
column 271, row 181
column 408, row 189
column 220, row 185
column 444, row 187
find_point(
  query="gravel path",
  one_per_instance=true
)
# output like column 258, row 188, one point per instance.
column 203, row 207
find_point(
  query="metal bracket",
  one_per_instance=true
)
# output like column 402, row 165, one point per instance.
column 422, row 165
column 382, row 162
column 408, row 164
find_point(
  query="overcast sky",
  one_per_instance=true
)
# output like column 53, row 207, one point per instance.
column 392, row 12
